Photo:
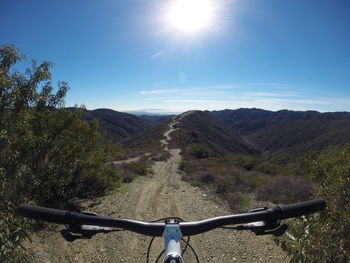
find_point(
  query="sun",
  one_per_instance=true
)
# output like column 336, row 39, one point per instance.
column 190, row 16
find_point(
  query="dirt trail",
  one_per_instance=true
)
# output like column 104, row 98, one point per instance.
column 162, row 195
column 130, row 160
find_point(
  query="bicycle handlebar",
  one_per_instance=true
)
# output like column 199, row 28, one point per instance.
column 303, row 208
column 76, row 218
column 156, row 229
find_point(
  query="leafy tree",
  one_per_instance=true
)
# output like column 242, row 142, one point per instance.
column 46, row 152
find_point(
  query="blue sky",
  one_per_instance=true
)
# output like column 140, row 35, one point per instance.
column 120, row 54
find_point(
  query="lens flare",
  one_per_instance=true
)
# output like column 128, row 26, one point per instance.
column 190, row 16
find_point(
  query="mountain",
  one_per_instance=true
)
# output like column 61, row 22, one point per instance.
column 115, row 125
column 288, row 131
column 241, row 130
column 198, row 127
column 148, row 141
column 302, row 136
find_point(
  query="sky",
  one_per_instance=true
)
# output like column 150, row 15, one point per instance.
column 131, row 55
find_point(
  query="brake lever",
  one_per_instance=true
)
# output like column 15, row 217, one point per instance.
column 74, row 232
column 265, row 228
column 268, row 227
column 276, row 232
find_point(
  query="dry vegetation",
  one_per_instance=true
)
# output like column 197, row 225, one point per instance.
column 238, row 176
column 286, row 179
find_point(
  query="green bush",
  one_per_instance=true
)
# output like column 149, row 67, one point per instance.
column 266, row 168
column 224, row 184
column 237, row 201
column 253, row 180
column 190, row 179
column 246, row 161
column 128, row 178
column 198, row 151
column 138, row 168
column 12, row 230
column 129, row 171
column 185, row 166
column 325, row 237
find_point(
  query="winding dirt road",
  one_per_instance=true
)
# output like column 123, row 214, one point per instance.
column 162, row 195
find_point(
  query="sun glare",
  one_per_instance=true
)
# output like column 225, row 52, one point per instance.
column 190, row 16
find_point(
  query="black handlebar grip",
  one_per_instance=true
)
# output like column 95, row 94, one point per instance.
column 43, row 213
column 299, row 209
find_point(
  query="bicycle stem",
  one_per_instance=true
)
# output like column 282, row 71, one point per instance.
column 172, row 238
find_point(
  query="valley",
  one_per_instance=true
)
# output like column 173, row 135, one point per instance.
column 161, row 194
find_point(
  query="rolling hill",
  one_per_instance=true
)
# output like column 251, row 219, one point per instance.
column 226, row 131
column 117, row 126
column 198, row 127
column 288, row 131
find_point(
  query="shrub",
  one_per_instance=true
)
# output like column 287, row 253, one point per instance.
column 207, row 178
column 185, row 166
column 128, row 178
column 237, row 201
column 286, row 189
column 252, row 180
column 267, row 168
column 12, row 230
column 224, row 184
column 137, row 168
column 128, row 171
column 198, row 151
column 189, row 179
column 46, row 152
column 325, row 237
column 243, row 160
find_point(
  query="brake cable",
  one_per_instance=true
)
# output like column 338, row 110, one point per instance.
column 194, row 252
column 160, row 255
column 186, row 246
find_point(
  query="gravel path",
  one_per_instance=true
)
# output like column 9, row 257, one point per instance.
column 162, row 195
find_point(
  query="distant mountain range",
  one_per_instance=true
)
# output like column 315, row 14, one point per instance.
column 241, row 130
column 246, row 121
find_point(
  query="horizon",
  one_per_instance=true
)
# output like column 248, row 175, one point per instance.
column 163, row 112
column 133, row 55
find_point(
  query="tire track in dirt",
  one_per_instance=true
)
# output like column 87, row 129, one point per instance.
column 162, row 195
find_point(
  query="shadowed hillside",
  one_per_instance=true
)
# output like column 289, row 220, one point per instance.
column 302, row 136
column 147, row 141
column 246, row 121
column 115, row 125
column 230, row 131
column 201, row 128
column 288, row 131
